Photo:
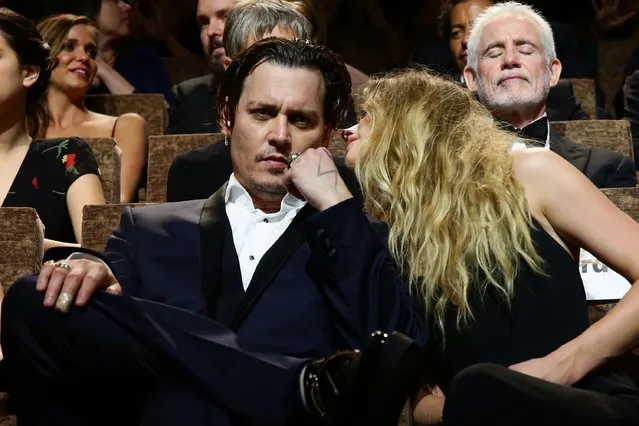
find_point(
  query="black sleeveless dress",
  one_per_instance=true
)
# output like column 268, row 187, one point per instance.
column 45, row 175
column 546, row 312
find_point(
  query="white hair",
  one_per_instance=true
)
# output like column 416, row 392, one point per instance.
column 514, row 9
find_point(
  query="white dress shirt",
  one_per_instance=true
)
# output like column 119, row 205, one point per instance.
column 254, row 232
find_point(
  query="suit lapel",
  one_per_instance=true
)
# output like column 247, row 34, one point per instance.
column 572, row 152
column 273, row 261
column 212, row 234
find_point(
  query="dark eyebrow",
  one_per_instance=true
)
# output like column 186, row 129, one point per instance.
column 257, row 104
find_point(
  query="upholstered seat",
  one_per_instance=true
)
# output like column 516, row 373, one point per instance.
column 613, row 135
column 109, row 157
column 98, row 222
column 21, row 245
column 162, row 152
column 586, row 95
column 150, row 106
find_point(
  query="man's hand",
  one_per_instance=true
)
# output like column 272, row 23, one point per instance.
column 78, row 279
column 314, row 177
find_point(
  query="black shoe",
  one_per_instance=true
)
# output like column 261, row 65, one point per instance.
column 368, row 387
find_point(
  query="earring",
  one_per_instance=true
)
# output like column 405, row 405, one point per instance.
column 226, row 141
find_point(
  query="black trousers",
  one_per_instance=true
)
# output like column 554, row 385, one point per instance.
column 490, row 394
column 126, row 361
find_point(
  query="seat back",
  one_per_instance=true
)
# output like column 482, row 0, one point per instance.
column 150, row 106
column 98, row 222
column 613, row 135
column 162, row 152
column 109, row 157
column 21, row 245
column 586, row 95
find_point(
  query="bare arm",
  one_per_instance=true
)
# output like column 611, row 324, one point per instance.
column 113, row 80
column 131, row 139
column 582, row 216
column 86, row 189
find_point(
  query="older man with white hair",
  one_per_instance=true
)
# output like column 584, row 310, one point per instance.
column 512, row 65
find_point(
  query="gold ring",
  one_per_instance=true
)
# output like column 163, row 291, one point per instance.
column 63, row 304
column 292, row 157
column 62, row 265
column 49, row 262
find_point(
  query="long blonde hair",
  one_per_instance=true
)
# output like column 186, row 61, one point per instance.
column 436, row 169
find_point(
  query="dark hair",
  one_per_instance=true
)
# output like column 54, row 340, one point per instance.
column 31, row 50
column 290, row 54
column 443, row 26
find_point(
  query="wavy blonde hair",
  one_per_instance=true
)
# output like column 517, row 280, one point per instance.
column 436, row 168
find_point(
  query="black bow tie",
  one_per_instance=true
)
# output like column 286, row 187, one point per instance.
column 537, row 130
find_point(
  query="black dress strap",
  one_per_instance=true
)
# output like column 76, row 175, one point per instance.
column 114, row 126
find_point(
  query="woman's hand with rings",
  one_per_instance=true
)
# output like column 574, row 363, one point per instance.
column 67, row 280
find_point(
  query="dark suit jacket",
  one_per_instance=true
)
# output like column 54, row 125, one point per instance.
column 631, row 111
column 194, row 108
column 606, row 169
column 311, row 294
column 197, row 174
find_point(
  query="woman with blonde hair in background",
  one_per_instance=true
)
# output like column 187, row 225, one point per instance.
column 488, row 241
column 73, row 42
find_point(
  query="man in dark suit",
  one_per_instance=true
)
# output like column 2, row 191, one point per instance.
column 456, row 21
column 209, row 284
column 512, row 70
column 193, row 111
column 199, row 173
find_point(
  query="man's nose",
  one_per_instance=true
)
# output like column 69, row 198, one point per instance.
column 280, row 130
column 511, row 58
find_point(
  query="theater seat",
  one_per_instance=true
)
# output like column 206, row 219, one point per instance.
column 98, row 222
column 585, row 93
column 162, row 152
column 613, row 135
column 109, row 157
column 150, row 106
column 21, row 244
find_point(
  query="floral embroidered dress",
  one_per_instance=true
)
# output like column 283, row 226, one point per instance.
column 42, row 182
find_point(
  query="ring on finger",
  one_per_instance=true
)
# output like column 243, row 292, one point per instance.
column 49, row 262
column 62, row 265
column 63, row 304
column 292, row 157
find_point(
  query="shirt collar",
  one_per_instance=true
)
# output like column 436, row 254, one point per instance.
column 237, row 194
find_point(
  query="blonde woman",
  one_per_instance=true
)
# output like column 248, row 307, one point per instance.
column 488, row 240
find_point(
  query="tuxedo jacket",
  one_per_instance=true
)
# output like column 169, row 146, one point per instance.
column 199, row 173
column 313, row 293
column 194, row 107
column 606, row 169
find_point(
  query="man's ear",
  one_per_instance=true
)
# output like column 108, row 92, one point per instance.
column 31, row 73
column 555, row 72
column 470, row 78
column 226, row 61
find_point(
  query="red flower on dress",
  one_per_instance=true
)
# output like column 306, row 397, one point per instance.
column 34, row 182
column 69, row 161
